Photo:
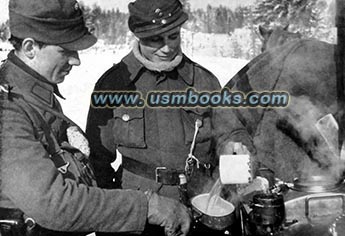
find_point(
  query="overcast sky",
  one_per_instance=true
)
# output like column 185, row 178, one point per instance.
column 122, row 4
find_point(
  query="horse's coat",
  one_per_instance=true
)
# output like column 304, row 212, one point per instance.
column 285, row 138
column 276, row 37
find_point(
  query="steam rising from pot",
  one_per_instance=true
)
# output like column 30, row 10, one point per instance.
column 298, row 121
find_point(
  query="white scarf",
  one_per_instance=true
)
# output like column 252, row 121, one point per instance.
column 156, row 66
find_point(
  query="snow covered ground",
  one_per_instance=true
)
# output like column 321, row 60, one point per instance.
column 79, row 84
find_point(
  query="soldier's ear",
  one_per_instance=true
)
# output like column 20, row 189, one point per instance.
column 29, row 48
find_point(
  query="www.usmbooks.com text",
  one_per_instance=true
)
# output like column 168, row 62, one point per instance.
column 190, row 98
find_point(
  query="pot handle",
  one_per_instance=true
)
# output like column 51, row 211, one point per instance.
column 308, row 198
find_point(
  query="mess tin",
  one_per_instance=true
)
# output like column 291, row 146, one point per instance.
column 218, row 215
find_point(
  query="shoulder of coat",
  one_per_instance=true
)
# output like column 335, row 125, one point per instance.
column 199, row 68
column 111, row 76
column 202, row 72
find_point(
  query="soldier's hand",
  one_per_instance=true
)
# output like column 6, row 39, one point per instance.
column 234, row 148
column 168, row 213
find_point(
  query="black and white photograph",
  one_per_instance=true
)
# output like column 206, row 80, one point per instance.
column 172, row 117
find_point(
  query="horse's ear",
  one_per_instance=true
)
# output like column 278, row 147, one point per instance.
column 265, row 33
column 286, row 27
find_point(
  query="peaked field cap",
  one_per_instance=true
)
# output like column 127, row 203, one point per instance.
column 153, row 17
column 55, row 22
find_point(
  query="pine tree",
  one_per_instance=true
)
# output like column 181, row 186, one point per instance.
column 300, row 15
column 4, row 31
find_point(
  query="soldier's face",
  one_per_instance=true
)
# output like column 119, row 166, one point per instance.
column 54, row 62
column 163, row 47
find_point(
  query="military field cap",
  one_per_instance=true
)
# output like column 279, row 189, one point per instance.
column 153, row 17
column 55, row 22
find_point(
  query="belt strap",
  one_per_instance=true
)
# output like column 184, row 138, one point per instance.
column 53, row 146
column 161, row 175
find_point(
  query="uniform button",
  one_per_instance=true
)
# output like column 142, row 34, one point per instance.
column 164, row 21
column 125, row 117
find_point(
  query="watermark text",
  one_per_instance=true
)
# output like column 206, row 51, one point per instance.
column 190, row 98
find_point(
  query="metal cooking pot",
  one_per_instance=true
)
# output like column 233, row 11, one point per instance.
column 316, row 184
column 219, row 218
column 315, row 208
column 316, row 215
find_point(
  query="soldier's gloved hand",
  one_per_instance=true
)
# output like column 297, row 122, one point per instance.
column 168, row 213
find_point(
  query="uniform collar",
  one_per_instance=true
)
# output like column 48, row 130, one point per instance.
column 185, row 69
column 30, row 82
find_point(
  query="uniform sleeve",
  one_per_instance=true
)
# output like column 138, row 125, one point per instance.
column 227, row 122
column 234, row 125
column 102, row 144
column 228, row 127
column 31, row 182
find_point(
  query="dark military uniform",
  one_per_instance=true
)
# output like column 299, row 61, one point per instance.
column 147, row 137
column 29, row 180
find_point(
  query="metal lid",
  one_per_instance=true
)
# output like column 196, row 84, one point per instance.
column 316, row 184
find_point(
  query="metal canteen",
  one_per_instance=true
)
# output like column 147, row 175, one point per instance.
column 268, row 209
column 217, row 221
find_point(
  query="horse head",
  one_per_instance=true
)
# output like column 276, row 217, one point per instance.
column 276, row 37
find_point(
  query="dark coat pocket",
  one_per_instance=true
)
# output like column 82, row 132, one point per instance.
column 128, row 128
column 189, row 117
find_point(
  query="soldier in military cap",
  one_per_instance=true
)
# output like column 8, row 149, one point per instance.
column 154, row 143
column 47, row 184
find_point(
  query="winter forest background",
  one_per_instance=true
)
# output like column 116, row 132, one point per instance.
column 219, row 38
column 221, row 31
